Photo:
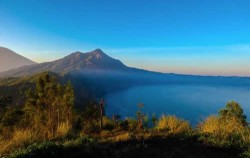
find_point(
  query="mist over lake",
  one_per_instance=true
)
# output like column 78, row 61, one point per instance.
column 192, row 102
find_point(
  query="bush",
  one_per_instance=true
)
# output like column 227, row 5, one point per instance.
column 108, row 124
column 132, row 124
column 173, row 125
column 79, row 142
column 51, row 149
column 224, row 132
column 123, row 125
column 228, row 129
column 45, row 149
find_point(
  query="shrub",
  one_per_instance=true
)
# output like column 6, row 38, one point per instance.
column 108, row 124
column 79, row 142
column 224, row 132
column 132, row 124
column 228, row 129
column 45, row 149
column 173, row 125
column 123, row 125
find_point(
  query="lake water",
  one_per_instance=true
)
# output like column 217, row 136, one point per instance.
column 187, row 101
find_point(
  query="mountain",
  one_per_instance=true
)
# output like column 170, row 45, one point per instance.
column 94, row 74
column 11, row 60
column 95, row 60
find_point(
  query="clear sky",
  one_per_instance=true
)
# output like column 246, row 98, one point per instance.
column 208, row 37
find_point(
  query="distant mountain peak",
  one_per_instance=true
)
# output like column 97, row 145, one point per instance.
column 95, row 59
column 97, row 52
column 77, row 61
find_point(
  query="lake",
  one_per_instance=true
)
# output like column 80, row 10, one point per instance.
column 188, row 101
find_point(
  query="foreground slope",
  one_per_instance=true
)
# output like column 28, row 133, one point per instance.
column 11, row 60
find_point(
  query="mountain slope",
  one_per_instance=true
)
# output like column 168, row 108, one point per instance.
column 91, row 61
column 10, row 60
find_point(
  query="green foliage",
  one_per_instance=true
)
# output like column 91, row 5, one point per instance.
column 132, row 124
column 90, row 119
column 38, row 150
column 52, row 149
column 246, row 154
column 78, row 142
column 154, row 120
column 11, row 116
column 233, row 109
column 108, row 124
column 49, row 105
column 146, row 121
column 123, row 125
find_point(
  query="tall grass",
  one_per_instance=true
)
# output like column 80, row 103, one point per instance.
column 63, row 129
column 173, row 125
column 19, row 139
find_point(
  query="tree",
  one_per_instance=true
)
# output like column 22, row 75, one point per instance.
column 140, row 115
column 102, row 112
column 154, row 119
column 49, row 105
column 233, row 110
column 90, row 118
column 116, row 118
column 9, row 115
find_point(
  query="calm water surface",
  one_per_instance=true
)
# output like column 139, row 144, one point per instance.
column 190, row 102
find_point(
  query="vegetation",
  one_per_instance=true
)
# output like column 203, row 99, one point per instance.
column 48, row 125
column 173, row 125
column 228, row 129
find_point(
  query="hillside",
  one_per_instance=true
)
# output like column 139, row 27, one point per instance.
column 11, row 60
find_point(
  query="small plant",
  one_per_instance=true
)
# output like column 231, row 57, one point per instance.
column 38, row 150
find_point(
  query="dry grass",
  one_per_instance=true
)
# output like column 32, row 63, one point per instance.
column 122, row 137
column 20, row 138
column 173, row 125
column 222, row 128
column 210, row 125
column 63, row 129
column 224, row 132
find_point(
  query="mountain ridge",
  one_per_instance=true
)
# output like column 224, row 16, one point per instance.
column 11, row 60
column 75, row 62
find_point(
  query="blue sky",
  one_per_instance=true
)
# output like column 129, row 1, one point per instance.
column 208, row 37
